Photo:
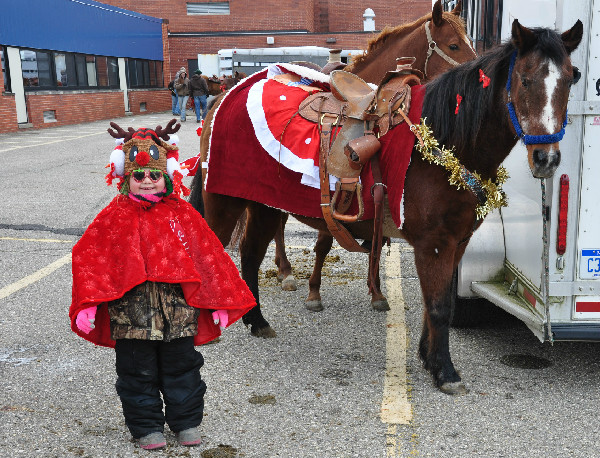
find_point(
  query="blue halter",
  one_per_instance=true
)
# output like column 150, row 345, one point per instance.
column 528, row 139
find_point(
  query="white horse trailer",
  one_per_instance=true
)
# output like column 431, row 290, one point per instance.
column 253, row 60
column 539, row 257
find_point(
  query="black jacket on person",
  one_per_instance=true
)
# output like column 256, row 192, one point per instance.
column 198, row 86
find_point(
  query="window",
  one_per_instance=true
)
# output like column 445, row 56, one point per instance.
column 36, row 67
column 205, row 9
column 107, row 70
column 113, row 71
column 5, row 73
column 90, row 65
column 102, row 71
column 60, row 64
column 81, row 70
column 152, row 69
column 144, row 73
column 64, row 70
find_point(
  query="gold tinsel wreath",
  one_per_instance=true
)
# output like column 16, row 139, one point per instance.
column 496, row 197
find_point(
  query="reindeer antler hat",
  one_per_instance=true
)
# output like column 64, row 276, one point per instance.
column 146, row 148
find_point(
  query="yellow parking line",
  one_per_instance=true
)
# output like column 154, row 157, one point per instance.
column 32, row 145
column 303, row 247
column 37, row 240
column 36, row 276
column 395, row 407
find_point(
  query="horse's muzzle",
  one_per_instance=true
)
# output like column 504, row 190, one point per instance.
column 543, row 159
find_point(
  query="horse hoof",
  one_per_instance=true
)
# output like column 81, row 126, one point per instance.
column 380, row 306
column 454, row 388
column 266, row 332
column 289, row 283
column 314, row 306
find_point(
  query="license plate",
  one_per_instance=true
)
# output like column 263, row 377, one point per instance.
column 590, row 263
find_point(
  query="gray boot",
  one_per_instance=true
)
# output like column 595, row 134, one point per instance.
column 153, row 441
column 189, row 437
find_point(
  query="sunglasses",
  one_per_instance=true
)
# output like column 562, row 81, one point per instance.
column 154, row 175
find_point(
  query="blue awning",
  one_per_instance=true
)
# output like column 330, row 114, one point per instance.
column 82, row 26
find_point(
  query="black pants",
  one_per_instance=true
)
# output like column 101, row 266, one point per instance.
column 147, row 368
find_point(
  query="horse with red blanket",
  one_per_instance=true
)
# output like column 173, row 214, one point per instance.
column 443, row 198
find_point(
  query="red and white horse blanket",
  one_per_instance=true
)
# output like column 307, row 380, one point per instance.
column 261, row 150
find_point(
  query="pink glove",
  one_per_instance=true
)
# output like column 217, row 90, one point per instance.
column 85, row 319
column 220, row 317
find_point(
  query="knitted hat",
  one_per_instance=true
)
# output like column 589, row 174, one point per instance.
column 145, row 148
column 198, row 72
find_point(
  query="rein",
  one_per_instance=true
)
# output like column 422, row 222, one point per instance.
column 431, row 47
column 528, row 139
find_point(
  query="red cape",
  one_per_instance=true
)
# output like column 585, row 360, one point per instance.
column 169, row 242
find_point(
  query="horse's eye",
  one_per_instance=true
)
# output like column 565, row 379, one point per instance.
column 524, row 81
column 154, row 152
column 453, row 47
column 576, row 75
column 133, row 153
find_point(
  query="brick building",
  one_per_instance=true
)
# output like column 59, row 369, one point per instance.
column 206, row 26
column 67, row 61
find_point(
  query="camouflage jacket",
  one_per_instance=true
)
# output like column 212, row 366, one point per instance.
column 153, row 311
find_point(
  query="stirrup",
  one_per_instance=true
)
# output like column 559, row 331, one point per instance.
column 341, row 216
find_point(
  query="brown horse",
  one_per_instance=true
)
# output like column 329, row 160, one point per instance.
column 216, row 86
column 532, row 72
column 438, row 41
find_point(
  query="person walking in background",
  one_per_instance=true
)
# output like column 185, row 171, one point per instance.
column 199, row 91
column 182, row 87
column 174, row 101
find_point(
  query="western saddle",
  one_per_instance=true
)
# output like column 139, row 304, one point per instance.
column 351, row 118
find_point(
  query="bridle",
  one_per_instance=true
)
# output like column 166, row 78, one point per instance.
column 528, row 139
column 432, row 46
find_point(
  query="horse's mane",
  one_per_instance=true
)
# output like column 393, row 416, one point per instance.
column 477, row 102
column 391, row 32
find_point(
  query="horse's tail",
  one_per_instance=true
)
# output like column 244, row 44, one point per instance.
column 196, row 195
column 197, row 183
column 238, row 231
column 216, row 100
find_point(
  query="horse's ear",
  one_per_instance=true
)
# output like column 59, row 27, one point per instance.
column 571, row 38
column 457, row 9
column 523, row 38
column 436, row 13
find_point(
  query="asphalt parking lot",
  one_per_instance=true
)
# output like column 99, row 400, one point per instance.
column 344, row 382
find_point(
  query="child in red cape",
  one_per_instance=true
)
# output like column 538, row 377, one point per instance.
column 152, row 280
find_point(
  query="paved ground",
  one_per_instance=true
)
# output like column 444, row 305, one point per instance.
column 344, row 382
